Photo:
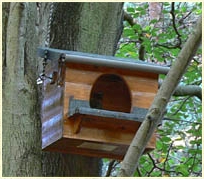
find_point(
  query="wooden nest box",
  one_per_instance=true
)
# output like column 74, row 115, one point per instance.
column 94, row 104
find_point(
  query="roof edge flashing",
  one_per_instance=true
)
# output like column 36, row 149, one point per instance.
column 102, row 60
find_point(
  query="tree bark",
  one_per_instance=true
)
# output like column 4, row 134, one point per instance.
column 156, row 111
column 187, row 90
column 20, row 117
column 88, row 27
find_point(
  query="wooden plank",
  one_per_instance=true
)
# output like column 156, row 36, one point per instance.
column 75, row 146
column 107, row 133
column 81, row 76
column 143, row 90
column 142, row 100
column 108, row 70
column 98, row 135
column 52, row 109
column 142, row 84
column 78, row 90
column 145, row 87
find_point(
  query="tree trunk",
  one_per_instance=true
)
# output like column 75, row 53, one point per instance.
column 87, row 27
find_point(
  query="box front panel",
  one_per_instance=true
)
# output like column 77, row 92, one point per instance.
column 108, row 132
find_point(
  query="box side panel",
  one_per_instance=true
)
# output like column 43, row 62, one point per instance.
column 51, row 108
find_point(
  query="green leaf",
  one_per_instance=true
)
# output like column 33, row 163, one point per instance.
column 128, row 32
column 199, row 141
column 159, row 145
column 192, row 151
column 153, row 21
column 147, row 28
column 165, row 11
column 183, row 169
column 199, row 11
column 171, row 162
column 183, row 9
column 143, row 12
column 156, row 174
column 139, row 8
column 166, row 3
column 137, row 27
column 136, row 15
column 197, row 168
column 130, row 9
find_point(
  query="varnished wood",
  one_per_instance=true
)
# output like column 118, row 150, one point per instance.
column 52, row 109
column 101, row 69
column 72, row 145
column 104, row 88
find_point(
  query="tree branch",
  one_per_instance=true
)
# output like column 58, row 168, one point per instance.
column 181, row 120
column 168, row 46
column 110, row 167
column 174, row 25
column 130, row 20
column 168, row 153
column 187, row 90
column 156, row 111
column 191, row 90
column 184, row 17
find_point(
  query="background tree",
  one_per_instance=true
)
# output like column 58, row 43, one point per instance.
column 87, row 27
column 178, row 148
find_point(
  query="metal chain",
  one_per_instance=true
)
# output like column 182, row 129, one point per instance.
column 43, row 76
column 47, row 41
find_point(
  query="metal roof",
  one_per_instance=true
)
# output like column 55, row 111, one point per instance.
column 102, row 60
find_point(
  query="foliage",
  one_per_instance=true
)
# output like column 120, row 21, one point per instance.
column 178, row 148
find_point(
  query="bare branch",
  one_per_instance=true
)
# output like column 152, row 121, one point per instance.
column 168, row 46
column 174, row 25
column 168, row 153
column 191, row 90
column 110, row 168
column 129, row 18
column 187, row 90
column 181, row 120
column 184, row 17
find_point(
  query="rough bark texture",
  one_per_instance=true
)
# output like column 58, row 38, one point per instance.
column 24, row 29
column 20, row 122
column 159, row 104
column 87, row 27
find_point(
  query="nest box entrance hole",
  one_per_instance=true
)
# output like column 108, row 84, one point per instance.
column 111, row 92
